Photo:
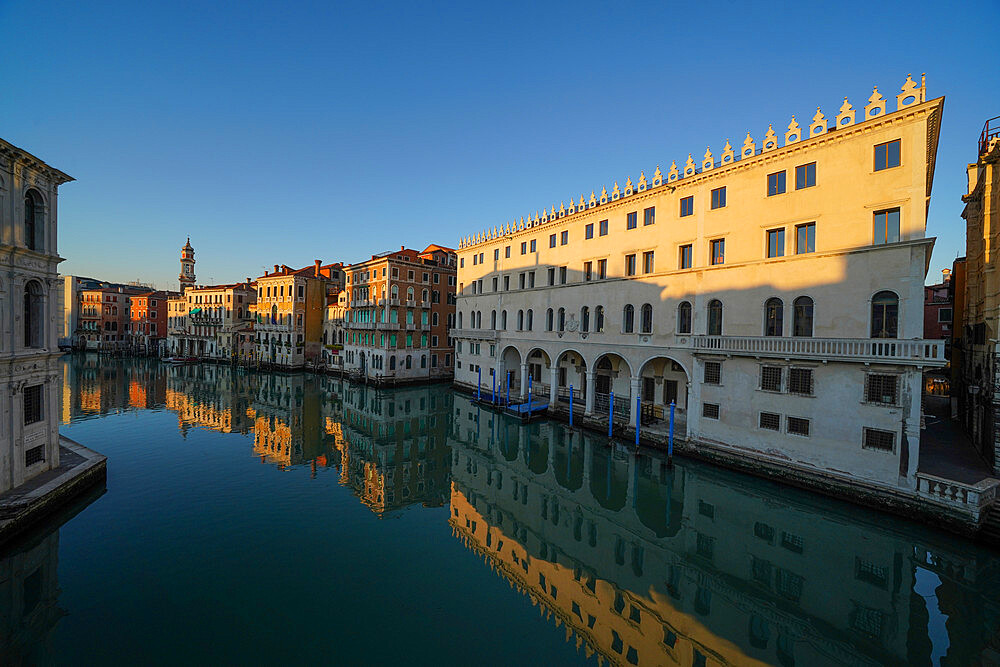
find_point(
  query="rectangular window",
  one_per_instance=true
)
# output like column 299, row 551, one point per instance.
column 776, row 183
column 629, row 265
column 710, row 410
column 770, row 378
column 886, row 226
column 649, row 216
column 552, row 275
column 562, row 275
column 520, row 281
column 776, row 243
column 719, row 197
column 34, row 455
column 506, row 252
column 763, row 531
column 588, row 270
column 887, row 155
column 800, row 381
column 496, row 258
column 631, row 220
column 805, row 238
column 32, row 404
column 588, row 231
column 532, row 245
column 713, row 372
column 552, row 240
column 687, row 206
column 792, row 542
column 878, row 439
column 531, row 279
column 770, row 421
column 718, row 251
column 647, row 262
column 798, row 426
column 869, row 572
column 602, row 228
column 602, row 269
column 881, row 389
column 685, row 256
column 944, row 315
column 564, row 237
column 805, row 176
column 524, row 247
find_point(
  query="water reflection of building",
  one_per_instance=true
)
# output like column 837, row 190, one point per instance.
column 699, row 566
column 393, row 444
column 288, row 428
column 96, row 386
column 210, row 397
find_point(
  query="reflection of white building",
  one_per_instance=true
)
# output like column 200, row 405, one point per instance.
column 775, row 296
column 30, row 316
column 697, row 565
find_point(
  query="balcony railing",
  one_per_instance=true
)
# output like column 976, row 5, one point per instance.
column 425, row 304
column 479, row 334
column 387, row 326
column 916, row 351
column 410, row 303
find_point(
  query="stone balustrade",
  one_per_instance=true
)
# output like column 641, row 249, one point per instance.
column 973, row 499
column 916, row 351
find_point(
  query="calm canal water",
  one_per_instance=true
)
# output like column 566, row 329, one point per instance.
column 282, row 518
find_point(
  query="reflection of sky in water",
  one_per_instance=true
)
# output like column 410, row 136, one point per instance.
column 925, row 585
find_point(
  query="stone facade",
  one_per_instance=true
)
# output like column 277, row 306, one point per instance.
column 211, row 321
column 977, row 371
column 781, row 318
column 30, row 316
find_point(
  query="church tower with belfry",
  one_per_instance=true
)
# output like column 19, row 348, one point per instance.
column 186, row 276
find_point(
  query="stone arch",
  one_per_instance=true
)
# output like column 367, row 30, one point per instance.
column 572, row 365
column 34, row 219
column 510, row 367
column 612, row 374
column 662, row 379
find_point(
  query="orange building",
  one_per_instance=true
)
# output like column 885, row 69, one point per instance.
column 399, row 308
column 147, row 324
column 289, row 313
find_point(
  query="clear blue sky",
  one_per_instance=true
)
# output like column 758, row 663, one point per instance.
column 283, row 132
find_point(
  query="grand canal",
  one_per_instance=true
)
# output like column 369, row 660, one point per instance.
column 279, row 518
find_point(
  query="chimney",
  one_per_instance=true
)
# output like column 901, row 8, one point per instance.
column 275, row 268
column 945, row 275
column 316, row 270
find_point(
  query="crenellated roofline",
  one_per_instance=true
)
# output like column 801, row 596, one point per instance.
column 911, row 98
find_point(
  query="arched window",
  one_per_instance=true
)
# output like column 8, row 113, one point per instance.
column 714, row 317
column 628, row 319
column 885, row 315
column 493, row 320
column 585, row 319
column 409, row 362
column 33, row 334
column 562, row 319
column 479, row 319
column 802, row 316
column 423, row 296
column 32, row 220
column 503, row 320
column 774, row 316
column 520, row 320
column 423, row 361
column 409, row 294
column 646, row 319
column 531, row 319
column 684, row 317
column 274, row 314
column 548, row 320
column 599, row 319
column 392, row 362
column 459, row 320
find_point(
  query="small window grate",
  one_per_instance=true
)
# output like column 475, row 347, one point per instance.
column 878, row 439
column 770, row 378
column 710, row 410
column 32, row 404
column 770, row 421
column 800, row 381
column 34, row 455
column 798, row 426
column 882, row 389
column 713, row 372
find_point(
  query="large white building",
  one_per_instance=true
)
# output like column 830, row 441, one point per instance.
column 30, row 316
column 773, row 293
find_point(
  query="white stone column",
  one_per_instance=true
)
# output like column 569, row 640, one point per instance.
column 524, row 381
column 632, row 410
column 589, row 392
column 553, row 385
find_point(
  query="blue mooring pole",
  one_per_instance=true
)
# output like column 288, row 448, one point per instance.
column 493, row 394
column 638, row 411
column 529, row 398
column 611, row 413
column 479, row 384
column 571, row 406
column 508, row 388
column 670, row 439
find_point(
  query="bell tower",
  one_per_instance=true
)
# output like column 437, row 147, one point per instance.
column 186, row 276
